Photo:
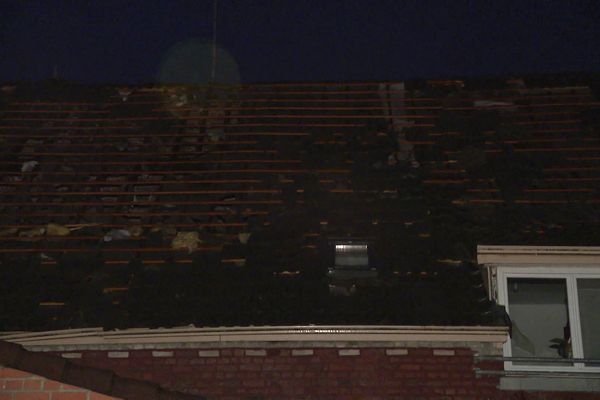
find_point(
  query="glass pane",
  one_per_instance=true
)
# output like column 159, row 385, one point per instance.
column 540, row 319
column 588, row 291
column 351, row 255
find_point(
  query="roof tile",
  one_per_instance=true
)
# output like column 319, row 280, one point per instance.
column 437, row 167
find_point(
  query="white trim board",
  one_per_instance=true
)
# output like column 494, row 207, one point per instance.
column 301, row 335
column 526, row 255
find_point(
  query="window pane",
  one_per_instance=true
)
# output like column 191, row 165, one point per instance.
column 589, row 311
column 540, row 319
column 351, row 255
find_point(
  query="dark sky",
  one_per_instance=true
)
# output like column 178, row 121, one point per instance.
column 127, row 41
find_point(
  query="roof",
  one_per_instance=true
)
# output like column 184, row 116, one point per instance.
column 98, row 380
column 218, row 205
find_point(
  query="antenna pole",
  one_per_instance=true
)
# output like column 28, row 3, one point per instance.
column 214, row 43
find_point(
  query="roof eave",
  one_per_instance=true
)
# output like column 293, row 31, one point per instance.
column 549, row 255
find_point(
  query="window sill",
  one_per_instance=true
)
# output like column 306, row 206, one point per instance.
column 548, row 381
column 551, row 382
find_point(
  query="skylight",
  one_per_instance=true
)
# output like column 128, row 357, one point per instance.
column 351, row 256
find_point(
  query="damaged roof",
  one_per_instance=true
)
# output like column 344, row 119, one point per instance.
column 220, row 205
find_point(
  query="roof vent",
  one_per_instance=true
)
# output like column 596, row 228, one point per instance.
column 352, row 261
column 353, row 256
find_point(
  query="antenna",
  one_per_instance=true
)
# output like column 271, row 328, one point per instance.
column 214, row 43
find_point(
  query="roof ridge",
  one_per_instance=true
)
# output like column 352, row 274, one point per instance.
column 561, row 78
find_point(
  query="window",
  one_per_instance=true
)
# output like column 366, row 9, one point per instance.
column 554, row 316
column 552, row 297
column 352, row 256
column 351, row 260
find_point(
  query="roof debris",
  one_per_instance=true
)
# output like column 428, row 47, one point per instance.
column 135, row 230
column 57, row 230
column 31, row 233
column 8, row 232
column 244, row 237
column 116, row 234
column 124, row 93
column 186, row 240
column 29, row 166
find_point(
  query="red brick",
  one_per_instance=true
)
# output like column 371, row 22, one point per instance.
column 147, row 376
column 32, row 384
column 31, row 396
column 93, row 354
column 12, row 384
column 482, row 382
column 5, row 396
column 250, row 367
column 140, row 354
column 51, row 385
column 14, row 373
column 420, row 351
column 227, row 368
column 69, row 395
column 409, row 367
column 372, row 353
column 435, row 367
column 183, row 360
column 371, row 375
column 284, row 360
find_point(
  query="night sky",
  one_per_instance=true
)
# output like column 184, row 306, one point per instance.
column 112, row 41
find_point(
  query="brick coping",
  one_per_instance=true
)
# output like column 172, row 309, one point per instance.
column 483, row 340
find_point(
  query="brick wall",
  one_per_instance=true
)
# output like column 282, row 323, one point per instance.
column 318, row 373
column 20, row 385
column 301, row 373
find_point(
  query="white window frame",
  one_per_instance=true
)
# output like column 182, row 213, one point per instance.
column 567, row 262
column 570, row 273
